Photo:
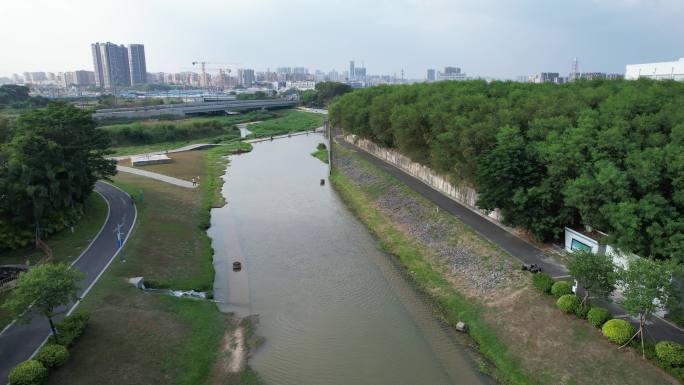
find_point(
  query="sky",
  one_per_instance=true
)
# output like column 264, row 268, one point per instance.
column 489, row 38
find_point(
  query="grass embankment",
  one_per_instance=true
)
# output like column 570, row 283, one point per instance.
column 66, row 246
column 157, row 135
column 321, row 153
column 515, row 327
column 136, row 337
column 290, row 122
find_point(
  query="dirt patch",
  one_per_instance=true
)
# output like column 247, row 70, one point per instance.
column 232, row 356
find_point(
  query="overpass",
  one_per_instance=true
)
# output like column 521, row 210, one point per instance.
column 184, row 109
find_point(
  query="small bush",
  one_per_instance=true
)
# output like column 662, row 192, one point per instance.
column 618, row 331
column 582, row 310
column 543, row 282
column 561, row 288
column 568, row 303
column 321, row 147
column 670, row 353
column 70, row 329
column 53, row 356
column 29, row 372
column 597, row 316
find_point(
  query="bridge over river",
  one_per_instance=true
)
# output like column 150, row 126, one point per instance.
column 184, row 109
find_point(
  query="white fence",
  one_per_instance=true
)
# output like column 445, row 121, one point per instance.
column 464, row 195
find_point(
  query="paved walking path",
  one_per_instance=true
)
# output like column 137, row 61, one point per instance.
column 18, row 342
column 657, row 329
column 154, row 175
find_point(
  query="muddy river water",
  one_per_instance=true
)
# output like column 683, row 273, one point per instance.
column 332, row 306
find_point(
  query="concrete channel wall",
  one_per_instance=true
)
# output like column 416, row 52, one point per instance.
column 464, row 195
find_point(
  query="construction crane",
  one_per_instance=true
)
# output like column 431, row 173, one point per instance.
column 203, row 79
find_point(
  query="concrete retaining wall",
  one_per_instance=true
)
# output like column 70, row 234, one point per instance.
column 464, row 195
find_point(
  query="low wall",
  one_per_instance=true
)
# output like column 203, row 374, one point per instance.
column 464, row 195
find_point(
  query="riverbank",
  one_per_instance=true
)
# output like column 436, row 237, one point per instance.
column 517, row 329
column 136, row 337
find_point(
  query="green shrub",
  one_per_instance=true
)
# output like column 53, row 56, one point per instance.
column 618, row 331
column 597, row 316
column 543, row 282
column 53, row 356
column 29, row 372
column 582, row 310
column 70, row 329
column 561, row 288
column 670, row 353
column 568, row 303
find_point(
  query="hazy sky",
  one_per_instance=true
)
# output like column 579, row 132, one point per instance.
column 496, row 38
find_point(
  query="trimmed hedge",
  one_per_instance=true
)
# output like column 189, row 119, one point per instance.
column 582, row 310
column 618, row 331
column 670, row 353
column 561, row 288
column 29, row 372
column 543, row 282
column 597, row 316
column 568, row 303
column 70, row 329
column 53, row 356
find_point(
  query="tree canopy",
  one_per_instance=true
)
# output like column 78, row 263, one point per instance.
column 609, row 154
column 15, row 96
column 324, row 93
column 49, row 163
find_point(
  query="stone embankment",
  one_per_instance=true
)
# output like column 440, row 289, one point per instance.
column 446, row 239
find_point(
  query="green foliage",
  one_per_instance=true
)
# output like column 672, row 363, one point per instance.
column 676, row 316
column 15, row 96
column 596, row 272
column 543, row 282
column 259, row 95
column 618, row 331
column 46, row 287
column 603, row 153
column 29, row 372
column 647, row 285
column 324, row 93
column 582, row 310
column 670, row 353
column 71, row 328
column 290, row 122
column 597, row 316
column 321, row 153
column 53, row 355
column 568, row 303
column 48, row 168
column 150, row 132
column 561, row 288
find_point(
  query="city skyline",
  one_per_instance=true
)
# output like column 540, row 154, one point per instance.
column 483, row 38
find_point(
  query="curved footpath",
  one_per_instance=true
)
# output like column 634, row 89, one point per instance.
column 19, row 342
column 657, row 329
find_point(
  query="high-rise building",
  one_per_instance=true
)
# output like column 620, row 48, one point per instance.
column 451, row 73
column 430, row 75
column 136, row 63
column 352, row 72
column 245, row 77
column 84, row 78
column 110, row 62
column 360, row 73
column 574, row 70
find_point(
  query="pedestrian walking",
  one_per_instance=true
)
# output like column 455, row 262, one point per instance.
column 194, row 182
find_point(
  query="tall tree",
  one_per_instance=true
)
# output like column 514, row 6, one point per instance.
column 596, row 273
column 647, row 287
column 47, row 287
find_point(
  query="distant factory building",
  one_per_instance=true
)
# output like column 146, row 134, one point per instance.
column 669, row 70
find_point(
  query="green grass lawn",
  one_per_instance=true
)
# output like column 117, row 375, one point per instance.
column 141, row 338
column 66, row 246
column 291, row 121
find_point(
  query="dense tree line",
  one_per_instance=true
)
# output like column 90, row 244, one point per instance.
column 15, row 96
column 324, row 93
column 50, row 160
column 609, row 154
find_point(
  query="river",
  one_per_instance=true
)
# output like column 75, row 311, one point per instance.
column 333, row 308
